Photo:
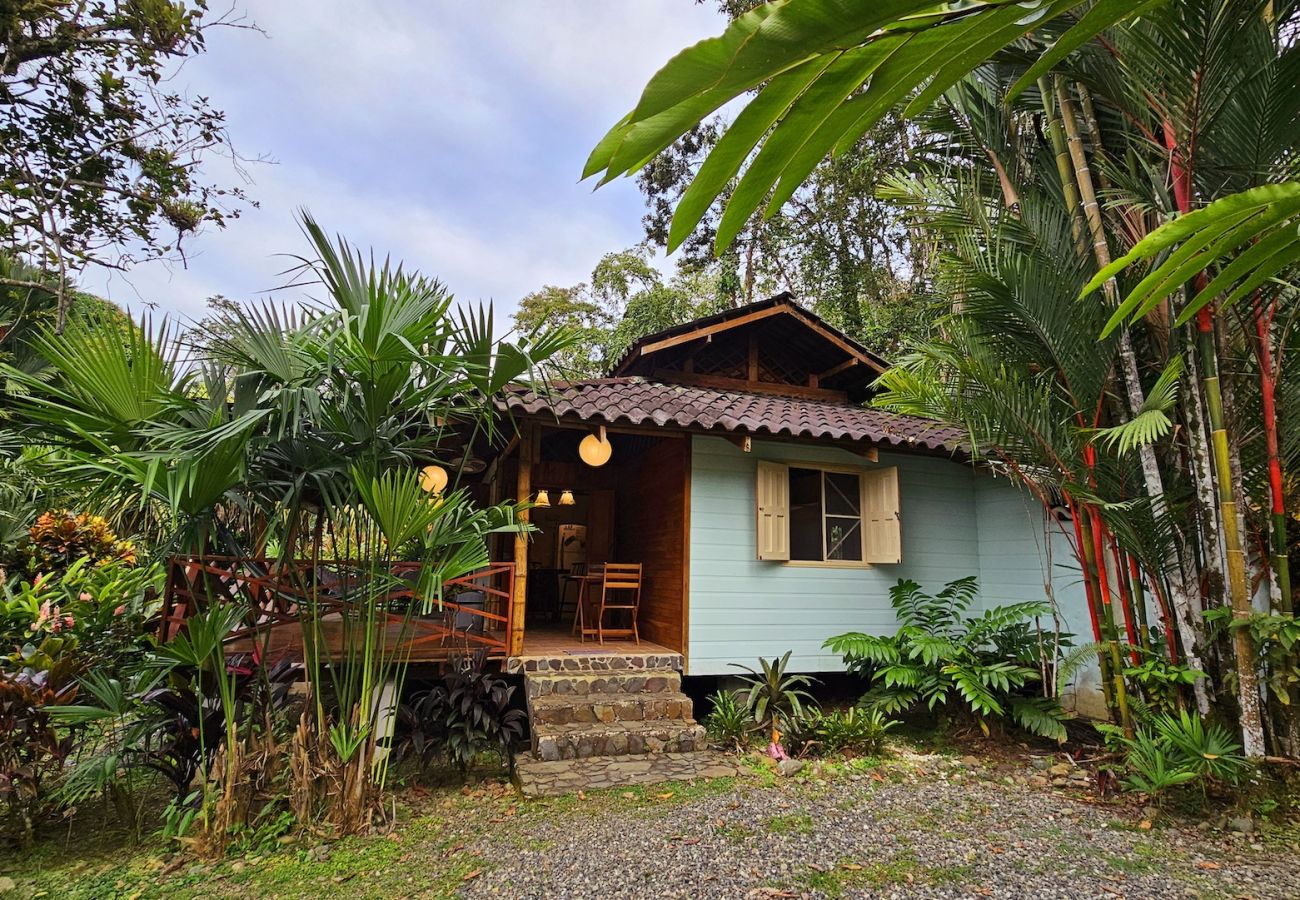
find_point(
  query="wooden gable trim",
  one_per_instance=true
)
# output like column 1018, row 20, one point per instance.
column 787, row 307
column 835, row 370
column 708, row 330
column 834, row 338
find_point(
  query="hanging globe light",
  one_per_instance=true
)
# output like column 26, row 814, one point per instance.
column 433, row 479
column 595, row 450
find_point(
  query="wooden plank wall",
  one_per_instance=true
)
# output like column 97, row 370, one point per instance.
column 651, row 510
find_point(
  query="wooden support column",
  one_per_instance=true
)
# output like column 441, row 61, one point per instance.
column 528, row 446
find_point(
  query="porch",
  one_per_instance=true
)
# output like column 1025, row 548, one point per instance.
column 633, row 508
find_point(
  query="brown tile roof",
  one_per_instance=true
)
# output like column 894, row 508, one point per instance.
column 636, row 401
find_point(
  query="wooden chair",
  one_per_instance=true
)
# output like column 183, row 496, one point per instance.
column 620, row 592
column 574, row 577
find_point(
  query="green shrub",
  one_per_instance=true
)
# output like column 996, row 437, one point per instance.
column 61, row 538
column 855, row 730
column 1173, row 750
column 728, row 722
column 988, row 663
column 1153, row 769
column 468, row 713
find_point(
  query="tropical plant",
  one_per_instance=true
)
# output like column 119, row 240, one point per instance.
column 774, row 697
column 469, row 713
column 32, row 751
column 858, row 730
column 106, row 727
column 59, row 539
column 825, row 71
column 1208, row 751
column 1159, row 680
column 301, row 432
column 985, row 662
column 729, row 722
column 1153, row 768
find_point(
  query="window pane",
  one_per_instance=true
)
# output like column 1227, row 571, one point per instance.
column 843, row 494
column 805, row 514
column 843, row 537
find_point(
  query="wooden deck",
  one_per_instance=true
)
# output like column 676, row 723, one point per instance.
column 279, row 597
column 558, row 642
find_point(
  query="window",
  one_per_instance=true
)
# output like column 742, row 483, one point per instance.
column 828, row 516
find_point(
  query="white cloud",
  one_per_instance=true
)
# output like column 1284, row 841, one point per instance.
column 449, row 135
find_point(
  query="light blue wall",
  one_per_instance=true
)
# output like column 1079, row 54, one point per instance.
column 742, row 608
column 956, row 521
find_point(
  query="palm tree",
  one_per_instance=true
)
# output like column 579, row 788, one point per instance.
column 304, row 431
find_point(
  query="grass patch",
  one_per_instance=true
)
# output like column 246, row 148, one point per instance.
column 901, row 869
column 736, row 833
column 793, row 823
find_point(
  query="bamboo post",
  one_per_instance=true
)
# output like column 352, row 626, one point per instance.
column 523, row 491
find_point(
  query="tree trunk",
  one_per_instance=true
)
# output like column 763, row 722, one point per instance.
column 1173, row 571
column 1277, row 499
column 1252, row 729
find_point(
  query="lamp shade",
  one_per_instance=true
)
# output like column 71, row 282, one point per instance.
column 543, row 498
column 566, row 498
column 595, row 450
column 433, row 479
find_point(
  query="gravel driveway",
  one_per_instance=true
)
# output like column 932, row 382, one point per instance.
column 956, row 831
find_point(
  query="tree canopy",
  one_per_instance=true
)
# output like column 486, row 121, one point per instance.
column 101, row 156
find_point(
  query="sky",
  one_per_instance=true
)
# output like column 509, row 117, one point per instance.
column 449, row 135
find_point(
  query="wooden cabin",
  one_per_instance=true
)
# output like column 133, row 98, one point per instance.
column 768, row 508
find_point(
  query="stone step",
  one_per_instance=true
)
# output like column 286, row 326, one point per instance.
column 536, row 778
column 595, row 660
column 646, row 681
column 566, row 709
column 582, row 741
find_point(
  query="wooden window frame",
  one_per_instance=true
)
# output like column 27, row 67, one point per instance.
column 863, row 525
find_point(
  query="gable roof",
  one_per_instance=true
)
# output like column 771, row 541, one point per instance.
column 779, row 308
column 632, row 400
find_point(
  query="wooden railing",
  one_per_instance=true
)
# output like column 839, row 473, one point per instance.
column 277, row 594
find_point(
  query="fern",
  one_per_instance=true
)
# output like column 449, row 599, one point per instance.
column 1069, row 664
column 938, row 656
column 1039, row 715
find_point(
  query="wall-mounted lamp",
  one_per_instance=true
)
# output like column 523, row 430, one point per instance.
column 595, row 450
column 566, row 498
column 433, row 479
column 543, row 498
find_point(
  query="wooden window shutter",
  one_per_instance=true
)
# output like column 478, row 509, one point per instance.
column 773, row 494
column 881, row 516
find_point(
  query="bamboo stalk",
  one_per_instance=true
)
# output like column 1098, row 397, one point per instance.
column 1277, row 499
column 1188, row 630
column 1252, row 728
column 1092, row 551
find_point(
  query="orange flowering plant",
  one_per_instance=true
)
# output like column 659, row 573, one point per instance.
column 60, row 538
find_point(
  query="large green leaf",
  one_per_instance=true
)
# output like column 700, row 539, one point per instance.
column 1101, row 16
column 826, row 71
column 1246, row 239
